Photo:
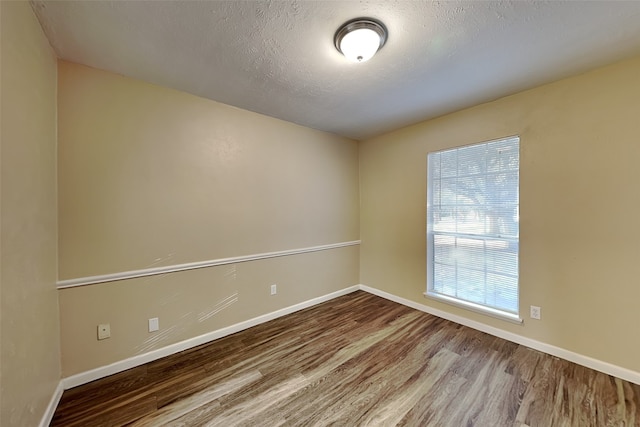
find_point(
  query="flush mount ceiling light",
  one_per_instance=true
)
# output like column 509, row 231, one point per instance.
column 359, row 39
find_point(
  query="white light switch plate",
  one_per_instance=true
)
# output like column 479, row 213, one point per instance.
column 154, row 324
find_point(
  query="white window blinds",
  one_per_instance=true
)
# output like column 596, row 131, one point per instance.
column 473, row 224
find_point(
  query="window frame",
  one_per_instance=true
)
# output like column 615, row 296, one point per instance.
column 451, row 300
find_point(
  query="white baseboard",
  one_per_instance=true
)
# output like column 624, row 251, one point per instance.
column 51, row 407
column 589, row 362
column 104, row 371
column 123, row 365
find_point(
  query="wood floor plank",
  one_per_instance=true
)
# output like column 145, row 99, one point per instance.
column 102, row 391
column 195, row 401
column 357, row 360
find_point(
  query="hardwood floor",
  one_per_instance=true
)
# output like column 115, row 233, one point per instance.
column 355, row 360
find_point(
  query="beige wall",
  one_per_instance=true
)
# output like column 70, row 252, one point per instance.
column 579, row 208
column 30, row 349
column 150, row 177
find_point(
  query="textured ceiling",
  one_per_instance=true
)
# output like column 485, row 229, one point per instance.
column 278, row 58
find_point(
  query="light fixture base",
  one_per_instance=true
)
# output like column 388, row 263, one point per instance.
column 360, row 24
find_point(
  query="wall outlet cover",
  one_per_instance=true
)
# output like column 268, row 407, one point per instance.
column 104, row 331
column 535, row 312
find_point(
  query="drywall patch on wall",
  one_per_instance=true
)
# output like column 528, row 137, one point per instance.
column 122, row 365
column 150, row 178
column 190, row 304
column 154, row 271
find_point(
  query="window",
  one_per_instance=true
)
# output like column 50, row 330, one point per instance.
column 473, row 226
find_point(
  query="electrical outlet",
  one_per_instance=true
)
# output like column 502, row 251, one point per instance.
column 154, row 324
column 274, row 289
column 535, row 312
column 104, row 331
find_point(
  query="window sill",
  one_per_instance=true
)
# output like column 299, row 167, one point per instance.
column 477, row 308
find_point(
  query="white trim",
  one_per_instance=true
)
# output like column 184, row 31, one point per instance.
column 589, row 362
column 104, row 371
column 92, row 280
column 53, row 404
column 477, row 308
